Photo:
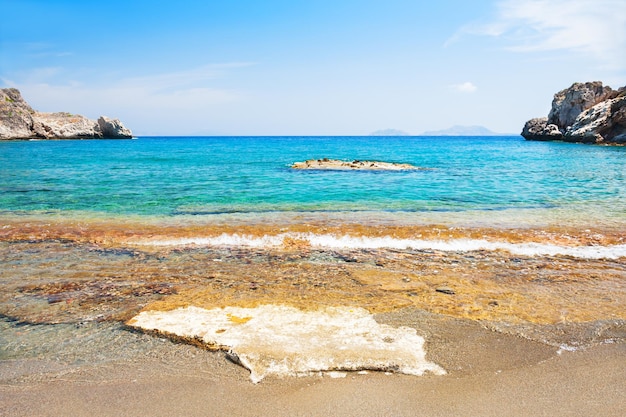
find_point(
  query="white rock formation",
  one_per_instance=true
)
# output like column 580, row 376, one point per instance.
column 19, row 121
column 285, row 341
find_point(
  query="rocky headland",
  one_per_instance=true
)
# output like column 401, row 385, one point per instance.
column 19, row 121
column 339, row 165
column 586, row 113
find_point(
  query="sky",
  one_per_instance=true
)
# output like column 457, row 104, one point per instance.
column 316, row 67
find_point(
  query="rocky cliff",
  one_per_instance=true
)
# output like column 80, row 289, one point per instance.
column 19, row 121
column 585, row 112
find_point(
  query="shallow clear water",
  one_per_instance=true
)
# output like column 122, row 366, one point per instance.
column 161, row 176
column 91, row 232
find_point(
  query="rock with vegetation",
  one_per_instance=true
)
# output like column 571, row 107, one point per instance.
column 16, row 116
column 19, row 121
column 585, row 113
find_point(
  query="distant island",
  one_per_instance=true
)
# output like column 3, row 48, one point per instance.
column 19, row 121
column 389, row 132
column 456, row 130
column 462, row 131
column 586, row 113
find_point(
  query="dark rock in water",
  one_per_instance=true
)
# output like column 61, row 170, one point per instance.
column 19, row 121
column 539, row 129
column 445, row 290
column 586, row 113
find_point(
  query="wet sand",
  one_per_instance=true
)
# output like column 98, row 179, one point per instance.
column 488, row 374
column 518, row 335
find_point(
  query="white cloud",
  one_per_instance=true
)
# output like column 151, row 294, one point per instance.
column 189, row 97
column 466, row 87
column 191, row 77
column 593, row 28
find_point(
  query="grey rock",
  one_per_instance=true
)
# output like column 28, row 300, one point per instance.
column 539, row 129
column 19, row 121
column 113, row 129
column 16, row 116
column 603, row 123
column 585, row 113
column 67, row 126
column 571, row 102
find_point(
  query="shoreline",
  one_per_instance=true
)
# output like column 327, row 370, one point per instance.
column 517, row 334
column 517, row 275
column 489, row 373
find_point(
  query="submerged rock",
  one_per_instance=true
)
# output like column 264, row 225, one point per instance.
column 19, row 121
column 585, row 112
column 339, row 165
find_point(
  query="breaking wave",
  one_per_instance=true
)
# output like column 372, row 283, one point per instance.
column 330, row 241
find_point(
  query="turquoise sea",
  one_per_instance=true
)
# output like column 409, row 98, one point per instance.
column 527, row 236
column 480, row 178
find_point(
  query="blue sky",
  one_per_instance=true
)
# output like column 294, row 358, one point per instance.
column 308, row 67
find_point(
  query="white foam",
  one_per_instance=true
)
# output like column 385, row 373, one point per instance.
column 222, row 240
column 285, row 341
column 355, row 242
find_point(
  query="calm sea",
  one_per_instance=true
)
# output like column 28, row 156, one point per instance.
column 476, row 179
column 494, row 228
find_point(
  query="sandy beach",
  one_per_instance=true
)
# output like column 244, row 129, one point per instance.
column 317, row 208
column 516, row 334
column 489, row 374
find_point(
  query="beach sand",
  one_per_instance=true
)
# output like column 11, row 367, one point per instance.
column 489, row 374
column 517, row 334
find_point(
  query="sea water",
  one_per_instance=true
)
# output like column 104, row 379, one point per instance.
column 208, row 176
column 492, row 228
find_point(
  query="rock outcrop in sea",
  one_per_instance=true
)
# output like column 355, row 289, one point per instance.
column 585, row 112
column 339, row 165
column 19, row 121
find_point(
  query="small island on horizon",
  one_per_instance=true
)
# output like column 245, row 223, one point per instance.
column 389, row 132
column 456, row 130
